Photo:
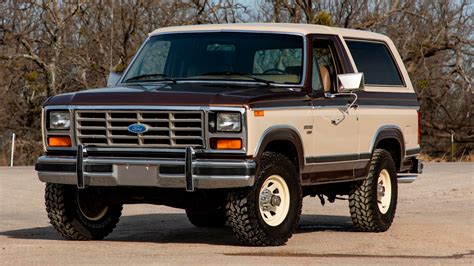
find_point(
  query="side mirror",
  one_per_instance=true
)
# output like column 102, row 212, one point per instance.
column 350, row 82
column 113, row 79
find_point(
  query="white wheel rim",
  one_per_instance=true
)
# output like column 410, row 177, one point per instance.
column 274, row 200
column 384, row 191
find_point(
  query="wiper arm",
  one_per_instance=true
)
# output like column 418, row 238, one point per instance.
column 153, row 77
column 229, row 73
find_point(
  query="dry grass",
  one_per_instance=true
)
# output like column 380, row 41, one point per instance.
column 447, row 158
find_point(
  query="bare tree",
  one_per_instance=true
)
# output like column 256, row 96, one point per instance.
column 435, row 39
column 51, row 46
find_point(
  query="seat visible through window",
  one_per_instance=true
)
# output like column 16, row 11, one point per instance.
column 324, row 61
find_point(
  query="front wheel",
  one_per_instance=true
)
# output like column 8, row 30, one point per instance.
column 373, row 203
column 81, row 214
column 267, row 213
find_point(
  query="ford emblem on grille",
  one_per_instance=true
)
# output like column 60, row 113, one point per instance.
column 138, row 128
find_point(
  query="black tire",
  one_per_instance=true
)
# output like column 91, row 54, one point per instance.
column 365, row 212
column 65, row 214
column 243, row 209
column 207, row 218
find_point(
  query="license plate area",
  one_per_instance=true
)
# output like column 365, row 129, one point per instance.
column 136, row 175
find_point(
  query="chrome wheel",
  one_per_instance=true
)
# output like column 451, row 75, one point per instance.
column 274, row 200
column 384, row 191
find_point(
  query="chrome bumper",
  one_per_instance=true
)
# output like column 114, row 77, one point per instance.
column 412, row 168
column 406, row 178
column 189, row 173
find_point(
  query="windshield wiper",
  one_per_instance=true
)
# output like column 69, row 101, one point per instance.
column 151, row 77
column 229, row 73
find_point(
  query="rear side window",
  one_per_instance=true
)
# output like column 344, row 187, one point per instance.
column 376, row 62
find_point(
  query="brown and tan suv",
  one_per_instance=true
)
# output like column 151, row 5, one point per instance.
column 236, row 123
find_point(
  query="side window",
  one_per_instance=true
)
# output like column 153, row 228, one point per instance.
column 155, row 62
column 376, row 62
column 324, row 66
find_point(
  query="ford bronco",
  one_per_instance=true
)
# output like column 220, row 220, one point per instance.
column 236, row 124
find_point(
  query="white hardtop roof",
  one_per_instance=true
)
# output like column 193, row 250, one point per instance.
column 303, row 29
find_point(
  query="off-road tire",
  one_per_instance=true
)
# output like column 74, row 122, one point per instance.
column 243, row 210
column 66, row 217
column 365, row 213
column 207, row 218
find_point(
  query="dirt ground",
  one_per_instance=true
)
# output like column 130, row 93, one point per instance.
column 434, row 225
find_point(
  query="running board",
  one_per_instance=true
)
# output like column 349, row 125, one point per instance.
column 406, row 179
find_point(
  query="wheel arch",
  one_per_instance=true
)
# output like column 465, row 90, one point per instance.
column 390, row 138
column 284, row 139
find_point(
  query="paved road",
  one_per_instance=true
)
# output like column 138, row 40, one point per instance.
column 434, row 225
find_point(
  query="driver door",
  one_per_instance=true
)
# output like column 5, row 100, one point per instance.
column 336, row 128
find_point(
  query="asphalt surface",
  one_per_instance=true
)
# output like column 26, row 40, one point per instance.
column 434, row 225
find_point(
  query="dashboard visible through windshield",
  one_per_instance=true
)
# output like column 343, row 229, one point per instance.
column 258, row 57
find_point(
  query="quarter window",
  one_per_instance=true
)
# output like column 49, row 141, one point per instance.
column 376, row 62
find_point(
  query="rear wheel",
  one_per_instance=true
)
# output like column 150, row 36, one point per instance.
column 81, row 214
column 267, row 213
column 373, row 203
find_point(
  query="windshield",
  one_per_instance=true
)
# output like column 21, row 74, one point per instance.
column 257, row 57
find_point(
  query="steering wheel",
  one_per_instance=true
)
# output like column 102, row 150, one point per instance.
column 275, row 71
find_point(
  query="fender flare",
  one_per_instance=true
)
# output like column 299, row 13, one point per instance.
column 284, row 133
column 389, row 132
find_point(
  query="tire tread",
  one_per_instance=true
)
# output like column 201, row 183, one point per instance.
column 244, row 221
column 64, row 222
column 363, row 207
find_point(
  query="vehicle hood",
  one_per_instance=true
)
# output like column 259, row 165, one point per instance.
column 181, row 94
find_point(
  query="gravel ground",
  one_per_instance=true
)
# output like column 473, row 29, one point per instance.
column 434, row 225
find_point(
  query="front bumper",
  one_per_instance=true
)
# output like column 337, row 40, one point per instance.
column 189, row 173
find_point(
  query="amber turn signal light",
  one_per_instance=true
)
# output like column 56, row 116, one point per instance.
column 228, row 144
column 59, row 141
column 258, row 113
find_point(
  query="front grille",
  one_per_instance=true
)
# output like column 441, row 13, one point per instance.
column 165, row 128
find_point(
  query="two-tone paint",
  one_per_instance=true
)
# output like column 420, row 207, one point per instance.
column 325, row 151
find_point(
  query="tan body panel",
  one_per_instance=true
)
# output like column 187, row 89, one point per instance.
column 356, row 133
column 335, row 133
column 358, row 130
column 290, row 118
column 373, row 120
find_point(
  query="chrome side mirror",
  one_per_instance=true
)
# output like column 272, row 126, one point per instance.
column 350, row 82
column 113, row 79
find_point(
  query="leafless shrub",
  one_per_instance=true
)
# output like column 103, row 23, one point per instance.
column 50, row 47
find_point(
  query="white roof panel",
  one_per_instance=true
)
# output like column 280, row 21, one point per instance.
column 274, row 27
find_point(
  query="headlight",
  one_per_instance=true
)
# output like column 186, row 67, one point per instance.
column 229, row 122
column 59, row 120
